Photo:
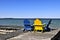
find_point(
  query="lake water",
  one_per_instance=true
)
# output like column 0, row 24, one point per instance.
column 19, row 22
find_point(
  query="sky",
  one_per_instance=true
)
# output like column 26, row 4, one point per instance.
column 29, row 8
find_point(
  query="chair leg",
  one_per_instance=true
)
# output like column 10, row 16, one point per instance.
column 34, row 30
column 42, row 31
column 23, row 30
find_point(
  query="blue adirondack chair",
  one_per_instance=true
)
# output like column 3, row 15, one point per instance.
column 47, row 27
column 27, row 26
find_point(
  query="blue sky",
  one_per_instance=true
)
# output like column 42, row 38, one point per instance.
column 29, row 8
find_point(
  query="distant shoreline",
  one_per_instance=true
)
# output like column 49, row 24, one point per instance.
column 25, row 18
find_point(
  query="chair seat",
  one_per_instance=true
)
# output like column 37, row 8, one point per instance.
column 38, row 27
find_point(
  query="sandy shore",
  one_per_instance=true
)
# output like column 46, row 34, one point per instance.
column 6, row 34
column 5, row 31
column 35, row 35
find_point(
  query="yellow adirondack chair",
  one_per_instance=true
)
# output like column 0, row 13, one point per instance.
column 38, row 25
